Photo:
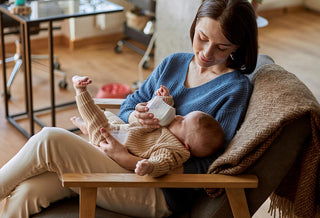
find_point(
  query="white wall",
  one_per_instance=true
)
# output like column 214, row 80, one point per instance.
column 174, row 19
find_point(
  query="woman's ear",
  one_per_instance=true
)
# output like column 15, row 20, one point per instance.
column 232, row 55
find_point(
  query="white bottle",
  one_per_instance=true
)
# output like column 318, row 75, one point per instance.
column 161, row 110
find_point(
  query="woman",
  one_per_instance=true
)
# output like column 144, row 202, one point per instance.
column 224, row 38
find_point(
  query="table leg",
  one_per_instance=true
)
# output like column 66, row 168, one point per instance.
column 3, row 53
column 26, row 91
column 27, row 62
column 10, row 117
column 51, row 71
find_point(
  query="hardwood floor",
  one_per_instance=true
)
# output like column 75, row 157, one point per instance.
column 292, row 39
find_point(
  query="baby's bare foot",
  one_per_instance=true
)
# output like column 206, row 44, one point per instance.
column 78, row 122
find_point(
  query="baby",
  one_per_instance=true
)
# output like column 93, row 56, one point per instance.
column 162, row 149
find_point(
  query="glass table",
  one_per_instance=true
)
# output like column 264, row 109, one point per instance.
column 44, row 11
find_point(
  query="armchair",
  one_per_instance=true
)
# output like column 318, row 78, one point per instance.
column 271, row 155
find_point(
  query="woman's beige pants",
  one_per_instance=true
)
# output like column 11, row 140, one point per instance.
column 31, row 179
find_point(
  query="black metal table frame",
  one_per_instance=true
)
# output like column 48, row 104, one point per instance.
column 26, row 55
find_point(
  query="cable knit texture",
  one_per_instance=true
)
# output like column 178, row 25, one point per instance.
column 278, row 98
column 159, row 146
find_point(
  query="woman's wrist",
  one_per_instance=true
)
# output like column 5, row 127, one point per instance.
column 127, row 160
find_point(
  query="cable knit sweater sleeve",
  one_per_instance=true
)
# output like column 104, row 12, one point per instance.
column 159, row 146
column 95, row 118
column 167, row 158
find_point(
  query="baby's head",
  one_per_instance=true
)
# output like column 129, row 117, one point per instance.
column 199, row 132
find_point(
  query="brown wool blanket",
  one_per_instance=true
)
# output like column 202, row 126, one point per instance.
column 278, row 98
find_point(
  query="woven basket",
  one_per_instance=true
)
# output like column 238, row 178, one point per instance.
column 136, row 21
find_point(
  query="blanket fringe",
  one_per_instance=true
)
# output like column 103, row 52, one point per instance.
column 281, row 205
column 284, row 207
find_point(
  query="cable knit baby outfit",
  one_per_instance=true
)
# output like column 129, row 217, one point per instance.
column 159, row 146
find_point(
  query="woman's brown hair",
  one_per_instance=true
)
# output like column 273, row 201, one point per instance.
column 238, row 23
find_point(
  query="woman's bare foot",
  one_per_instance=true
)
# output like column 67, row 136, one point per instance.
column 78, row 122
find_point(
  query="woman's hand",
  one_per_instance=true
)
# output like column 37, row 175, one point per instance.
column 144, row 118
column 110, row 146
column 118, row 152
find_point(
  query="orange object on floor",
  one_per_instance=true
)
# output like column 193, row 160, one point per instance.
column 114, row 90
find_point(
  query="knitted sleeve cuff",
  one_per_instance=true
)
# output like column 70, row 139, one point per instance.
column 132, row 118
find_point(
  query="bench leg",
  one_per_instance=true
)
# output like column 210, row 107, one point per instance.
column 238, row 202
column 88, row 198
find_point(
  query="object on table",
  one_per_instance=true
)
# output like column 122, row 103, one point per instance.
column 20, row 9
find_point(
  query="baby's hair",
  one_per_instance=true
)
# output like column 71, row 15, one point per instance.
column 212, row 135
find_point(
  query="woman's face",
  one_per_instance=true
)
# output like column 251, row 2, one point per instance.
column 210, row 46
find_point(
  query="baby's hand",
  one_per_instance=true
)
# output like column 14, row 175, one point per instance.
column 163, row 91
column 143, row 167
column 80, row 82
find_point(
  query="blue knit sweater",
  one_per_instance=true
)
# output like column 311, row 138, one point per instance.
column 225, row 98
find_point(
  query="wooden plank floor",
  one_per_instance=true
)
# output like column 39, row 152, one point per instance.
column 292, row 39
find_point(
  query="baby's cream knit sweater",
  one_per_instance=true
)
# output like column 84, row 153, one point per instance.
column 159, row 146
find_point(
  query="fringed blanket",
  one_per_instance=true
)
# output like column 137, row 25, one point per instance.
column 278, row 98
